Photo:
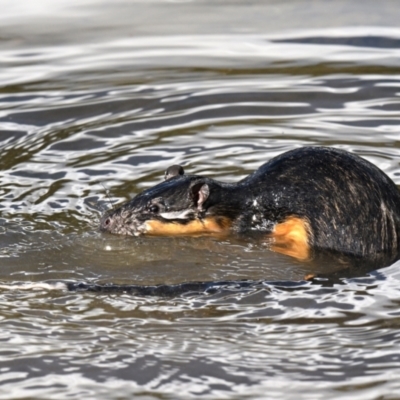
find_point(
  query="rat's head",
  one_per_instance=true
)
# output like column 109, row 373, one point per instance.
column 175, row 206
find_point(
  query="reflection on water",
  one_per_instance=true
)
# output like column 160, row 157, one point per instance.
column 88, row 124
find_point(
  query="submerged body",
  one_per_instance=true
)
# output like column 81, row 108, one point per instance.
column 307, row 199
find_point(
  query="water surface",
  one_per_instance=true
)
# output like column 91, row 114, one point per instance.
column 93, row 113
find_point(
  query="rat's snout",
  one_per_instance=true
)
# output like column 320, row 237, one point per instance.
column 106, row 223
column 121, row 222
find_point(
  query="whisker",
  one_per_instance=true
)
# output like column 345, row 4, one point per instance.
column 107, row 195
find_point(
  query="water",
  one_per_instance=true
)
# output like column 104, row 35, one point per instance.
column 97, row 99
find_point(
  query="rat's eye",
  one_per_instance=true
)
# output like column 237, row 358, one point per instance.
column 154, row 208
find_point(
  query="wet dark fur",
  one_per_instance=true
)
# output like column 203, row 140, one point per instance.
column 350, row 205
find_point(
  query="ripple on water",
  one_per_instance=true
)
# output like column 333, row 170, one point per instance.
column 77, row 117
column 189, row 342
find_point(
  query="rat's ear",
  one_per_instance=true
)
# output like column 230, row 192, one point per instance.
column 200, row 192
column 173, row 170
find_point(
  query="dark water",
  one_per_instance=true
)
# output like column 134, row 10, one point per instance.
column 98, row 98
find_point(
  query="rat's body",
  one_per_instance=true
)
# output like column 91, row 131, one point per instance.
column 305, row 199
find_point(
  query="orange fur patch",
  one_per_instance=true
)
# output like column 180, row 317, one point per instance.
column 309, row 277
column 291, row 238
column 208, row 225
